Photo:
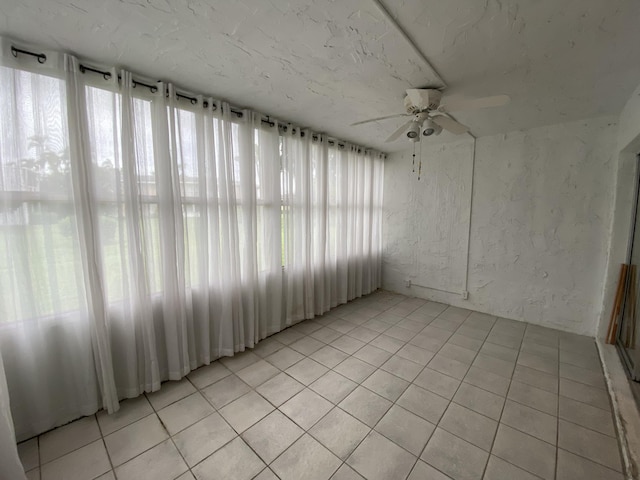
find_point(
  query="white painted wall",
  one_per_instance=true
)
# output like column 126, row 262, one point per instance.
column 541, row 213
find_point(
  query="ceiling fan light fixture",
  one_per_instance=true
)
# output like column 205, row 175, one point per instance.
column 431, row 128
column 413, row 133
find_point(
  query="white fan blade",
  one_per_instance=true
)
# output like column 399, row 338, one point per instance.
column 419, row 97
column 457, row 103
column 450, row 124
column 380, row 118
column 398, row 132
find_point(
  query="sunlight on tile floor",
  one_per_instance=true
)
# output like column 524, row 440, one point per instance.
column 385, row 387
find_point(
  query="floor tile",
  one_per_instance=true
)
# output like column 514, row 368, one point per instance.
column 587, row 443
column 347, row 344
column 509, row 341
column 454, row 457
column 365, row 405
column 469, row 425
column 235, row 460
column 499, row 351
column 63, row 440
column 355, row 369
column 586, row 416
column 478, row 400
column 386, row 385
column 423, row 403
column 85, row 463
column 528, row 420
column 306, row 345
column 538, row 363
column 257, row 373
column 307, row 371
column 170, row 392
column 405, row 429
column 377, row 325
column 306, row 408
column 134, row 439
column 387, row 343
column 239, row 361
column 552, row 353
column 378, row 458
column 573, row 467
column 326, row 335
column 437, row 382
column 372, row 355
column 444, row 324
column 472, row 332
column 400, row 367
column 452, row 368
column 400, row 333
column 307, row 326
column 498, row 469
column 536, row 378
column 130, row 411
column 487, row 381
column 329, row 356
column 266, row 474
column 29, row 454
column 466, row 342
column 411, row 325
column 525, row 451
column 343, row 326
column 185, row 412
column 593, row 396
column 533, row 397
column 284, row 358
column 333, row 386
column 424, row 471
column 456, row 352
column 307, row 459
column 208, row 374
column 577, row 374
column 267, row 346
column 162, row 462
column 280, row 389
column 363, row 334
column 339, row 432
column 272, row 435
column 245, row 411
column 345, row 472
column 415, row 354
column 203, row 438
column 494, row 365
column 288, row 336
column 225, row 391
column 111, row 476
column 588, row 362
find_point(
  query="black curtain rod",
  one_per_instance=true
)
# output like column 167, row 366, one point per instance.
column 42, row 58
column 154, row 89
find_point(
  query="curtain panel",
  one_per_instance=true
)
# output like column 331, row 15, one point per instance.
column 143, row 235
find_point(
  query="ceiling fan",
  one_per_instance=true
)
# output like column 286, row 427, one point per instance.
column 430, row 113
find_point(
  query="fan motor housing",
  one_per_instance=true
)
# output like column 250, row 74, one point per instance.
column 433, row 102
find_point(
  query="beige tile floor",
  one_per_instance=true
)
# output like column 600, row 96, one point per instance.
column 385, row 387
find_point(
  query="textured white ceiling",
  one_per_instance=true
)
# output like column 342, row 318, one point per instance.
column 327, row 63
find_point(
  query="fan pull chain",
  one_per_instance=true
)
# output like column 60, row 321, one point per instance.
column 420, row 164
column 413, row 167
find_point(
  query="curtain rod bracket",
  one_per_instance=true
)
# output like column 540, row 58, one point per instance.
column 40, row 56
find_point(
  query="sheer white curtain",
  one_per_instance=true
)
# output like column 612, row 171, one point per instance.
column 332, row 223
column 143, row 234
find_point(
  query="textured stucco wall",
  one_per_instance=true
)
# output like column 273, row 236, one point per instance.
column 541, row 213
